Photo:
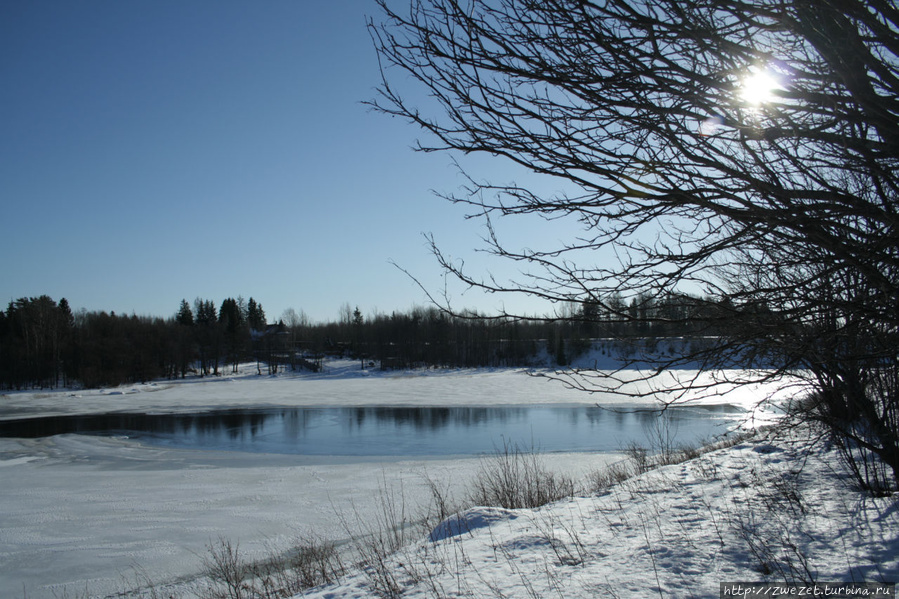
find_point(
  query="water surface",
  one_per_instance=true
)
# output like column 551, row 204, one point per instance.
column 394, row 431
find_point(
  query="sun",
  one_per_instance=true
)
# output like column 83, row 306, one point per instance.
column 758, row 87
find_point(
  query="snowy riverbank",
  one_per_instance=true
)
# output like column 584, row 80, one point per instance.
column 770, row 509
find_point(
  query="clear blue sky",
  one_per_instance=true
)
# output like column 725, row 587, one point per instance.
column 154, row 151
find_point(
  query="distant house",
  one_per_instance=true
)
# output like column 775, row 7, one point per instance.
column 270, row 331
column 274, row 346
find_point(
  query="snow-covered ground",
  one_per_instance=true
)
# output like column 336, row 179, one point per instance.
column 766, row 510
column 82, row 513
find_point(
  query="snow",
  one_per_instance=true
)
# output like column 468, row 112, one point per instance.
column 79, row 512
column 469, row 521
column 344, row 384
column 87, row 513
column 766, row 510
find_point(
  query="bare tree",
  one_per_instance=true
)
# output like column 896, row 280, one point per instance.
column 742, row 149
column 295, row 320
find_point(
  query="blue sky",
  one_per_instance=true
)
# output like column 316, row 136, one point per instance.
column 154, row 151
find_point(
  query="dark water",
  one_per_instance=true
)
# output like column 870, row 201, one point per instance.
column 376, row 431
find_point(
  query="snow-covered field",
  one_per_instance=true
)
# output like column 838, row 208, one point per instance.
column 83, row 515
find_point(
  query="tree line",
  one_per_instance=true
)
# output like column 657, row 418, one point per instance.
column 431, row 337
column 44, row 344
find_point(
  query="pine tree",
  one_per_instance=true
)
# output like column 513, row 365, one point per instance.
column 233, row 324
column 207, row 334
column 256, row 316
column 185, row 316
column 184, row 337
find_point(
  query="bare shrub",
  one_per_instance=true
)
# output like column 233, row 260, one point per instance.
column 640, row 460
column 228, row 572
column 442, row 504
column 776, row 553
column 514, row 478
column 862, row 421
column 661, row 434
column 639, row 457
column 603, row 479
column 314, row 562
column 375, row 540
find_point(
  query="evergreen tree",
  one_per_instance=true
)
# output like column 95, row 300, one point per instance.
column 207, row 335
column 184, row 338
column 185, row 316
column 256, row 316
column 358, row 328
column 233, row 324
column 230, row 315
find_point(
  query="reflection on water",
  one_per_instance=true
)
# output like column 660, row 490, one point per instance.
column 374, row 431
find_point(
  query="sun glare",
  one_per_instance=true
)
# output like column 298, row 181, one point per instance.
column 758, row 87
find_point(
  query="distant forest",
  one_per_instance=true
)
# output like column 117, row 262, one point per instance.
column 44, row 344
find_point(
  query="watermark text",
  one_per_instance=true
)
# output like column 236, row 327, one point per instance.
column 836, row 590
